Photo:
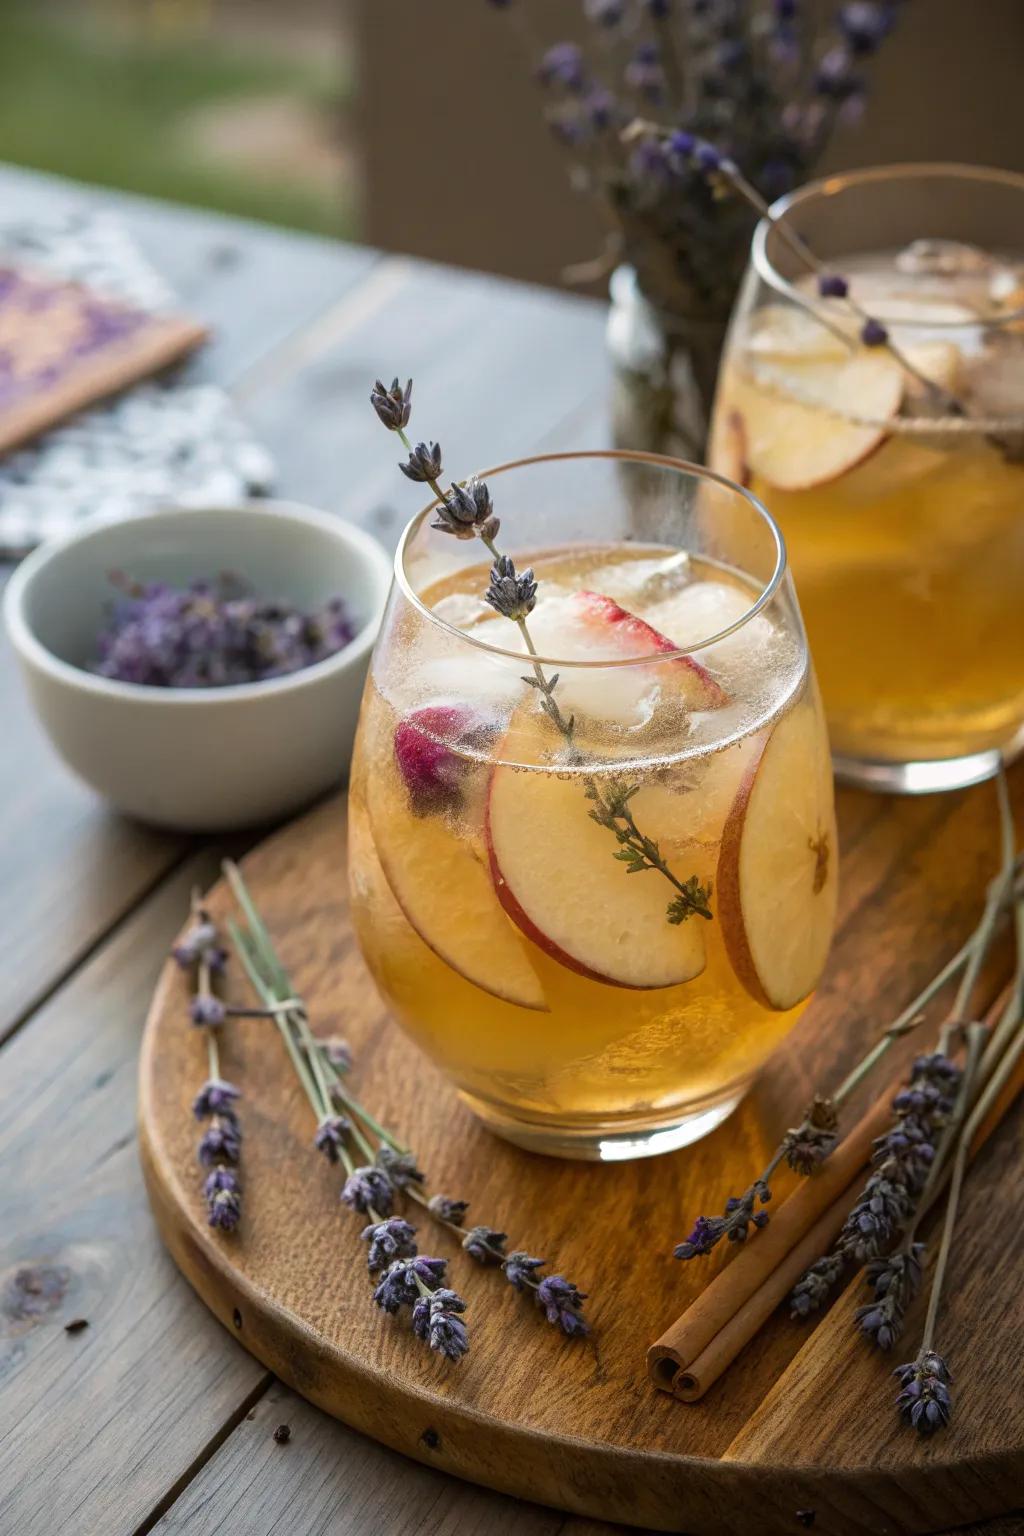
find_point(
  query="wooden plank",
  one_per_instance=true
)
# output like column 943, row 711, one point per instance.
column 597, row 1439
column 330, row 1479
column 95, row 1427
column 500, row 370
column 69, row 868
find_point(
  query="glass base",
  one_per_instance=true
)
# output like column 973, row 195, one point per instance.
column 920, row 778
column 599, row 1140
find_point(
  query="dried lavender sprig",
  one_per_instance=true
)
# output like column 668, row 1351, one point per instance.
column 221, row 1142
column 467, row 512
column 390, row 1166
column 909, row 1161
column 484, row 1244
column 924, row 1401
column 805, row 1146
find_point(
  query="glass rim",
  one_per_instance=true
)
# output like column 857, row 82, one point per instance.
column 638, row 456
column 904, row 170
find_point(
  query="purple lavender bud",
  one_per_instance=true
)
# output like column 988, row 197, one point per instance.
column 562, row 1304
column 707, row 158
column 485, row 1244
column 832, row 286
column 397, row 1287
column 706, row 1232
column 813, row 1289
column 465, row 510
column 400, row 1167
column 201, row 936
column 682, row 144
column 447, row 1209
column 394, row 405
column 520, row 1268
column 645, row 74
column 216, row 958
column 786, row 10
column 658, row 10
column 207, row 1010
column 421, row 1318
column 446, row 1333
column 389, row 1240
column 866, row 24
column 338, row 1053
column 423, row 463
column 368, row 1190
column 835, row 77
column 562, row 65
column 223, row 1199
column 330, row 1137
column 924, row 1401
column 215, row 1097
column 220, row 1143
column 874, row 334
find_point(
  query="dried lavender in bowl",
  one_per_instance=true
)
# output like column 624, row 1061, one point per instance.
column 213, row 633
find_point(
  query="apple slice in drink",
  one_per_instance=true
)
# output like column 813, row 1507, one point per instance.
column 441, row 881
column 777, row 874
column 807, row 422
column 556, row 875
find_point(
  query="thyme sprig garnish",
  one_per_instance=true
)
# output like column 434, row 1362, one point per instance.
column 388, row 1172
column 466, row 511
column 201, row 956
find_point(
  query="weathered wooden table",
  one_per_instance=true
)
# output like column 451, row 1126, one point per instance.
column 153, row 1418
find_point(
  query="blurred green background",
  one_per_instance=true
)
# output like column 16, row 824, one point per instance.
column 239, row 105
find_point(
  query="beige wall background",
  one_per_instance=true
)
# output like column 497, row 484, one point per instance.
column 459, row 167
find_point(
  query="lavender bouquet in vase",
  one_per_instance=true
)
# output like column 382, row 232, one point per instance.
column 768, row 82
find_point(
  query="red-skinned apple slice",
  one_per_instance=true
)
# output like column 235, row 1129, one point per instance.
column 795, row 415
column 777, row 874
column 591, row 627
column 442, row 884
column 555, row 874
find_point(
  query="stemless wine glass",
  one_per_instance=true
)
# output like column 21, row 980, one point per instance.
column 899, row 487
column 593, row 856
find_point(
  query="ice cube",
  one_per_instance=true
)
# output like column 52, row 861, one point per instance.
column 943, row 258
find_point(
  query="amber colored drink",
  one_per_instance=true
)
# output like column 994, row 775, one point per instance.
column 904, row 524
column 497, row 913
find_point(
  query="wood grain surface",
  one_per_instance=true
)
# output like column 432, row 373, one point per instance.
column 806, row 1421
column 142, row 1418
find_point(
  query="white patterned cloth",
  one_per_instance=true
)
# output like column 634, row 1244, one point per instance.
column 162, row 440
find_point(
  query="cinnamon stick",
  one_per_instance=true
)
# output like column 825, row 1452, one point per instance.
column 739, row 1282
column 692, row 1354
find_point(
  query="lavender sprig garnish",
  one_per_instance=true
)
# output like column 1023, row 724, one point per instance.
column 389, row 1171
column 201, row 954
column 724, row 175
column 806, row 1146
column 466, row 511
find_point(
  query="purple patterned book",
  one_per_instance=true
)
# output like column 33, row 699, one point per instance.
column 64, row 345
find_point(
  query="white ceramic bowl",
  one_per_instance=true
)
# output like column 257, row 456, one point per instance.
column 205, row 759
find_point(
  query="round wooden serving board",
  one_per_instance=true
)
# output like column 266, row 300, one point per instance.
column 803, row 1422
